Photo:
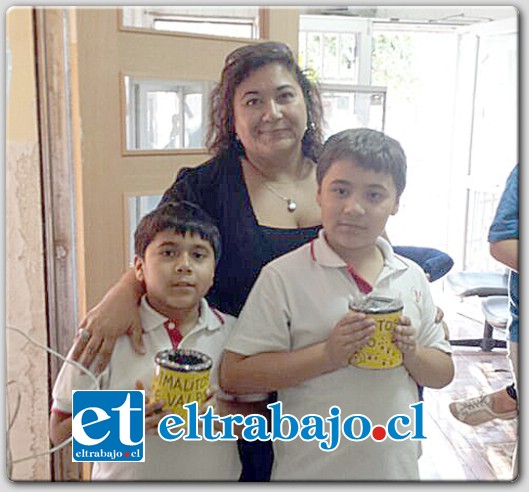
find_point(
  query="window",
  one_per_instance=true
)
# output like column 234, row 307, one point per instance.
column 332, row 56
column 350, row 106
column 449, row 130
column 418, row 67
column 238, row 22
column 494, row 142
column 165, row 114
column 337, row 50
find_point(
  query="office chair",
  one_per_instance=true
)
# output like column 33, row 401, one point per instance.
column 493, row 287
column 435, row 263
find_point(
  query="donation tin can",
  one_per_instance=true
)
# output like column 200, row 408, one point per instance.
column 380, row 352
column 181, row 376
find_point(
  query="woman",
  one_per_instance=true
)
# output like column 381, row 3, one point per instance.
column 265, row 134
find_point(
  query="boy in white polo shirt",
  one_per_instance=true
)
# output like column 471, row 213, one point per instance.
column 177, row 246
column 297, row 336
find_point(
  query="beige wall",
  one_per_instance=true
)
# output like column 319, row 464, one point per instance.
column 284, row 25
column 25, row 307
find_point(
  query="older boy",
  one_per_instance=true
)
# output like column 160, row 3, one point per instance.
column 296, row 334
column 177, row 247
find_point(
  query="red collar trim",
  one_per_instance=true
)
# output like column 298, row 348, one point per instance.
column 218, row 315
column 171, row 327
column 364, row 286
column 312, row 254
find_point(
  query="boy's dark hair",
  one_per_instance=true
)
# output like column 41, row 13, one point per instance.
column 370, row 149
column 181, row 216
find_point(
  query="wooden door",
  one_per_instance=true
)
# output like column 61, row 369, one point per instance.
column 110, row 174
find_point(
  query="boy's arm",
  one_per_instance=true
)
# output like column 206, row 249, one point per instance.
column 425, row 347
column 60, row 427
column 271, row 371
column 430, row 367
column 69, row 378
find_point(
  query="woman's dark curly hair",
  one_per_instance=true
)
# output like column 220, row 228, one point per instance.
column 239, row 64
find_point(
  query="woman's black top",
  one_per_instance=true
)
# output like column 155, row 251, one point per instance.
column 218, row 187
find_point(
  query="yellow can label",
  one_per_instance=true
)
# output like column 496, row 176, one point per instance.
column 380, row 352
column 177, row 388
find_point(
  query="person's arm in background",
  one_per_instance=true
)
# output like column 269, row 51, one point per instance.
column 504, row 230
column 506, row 252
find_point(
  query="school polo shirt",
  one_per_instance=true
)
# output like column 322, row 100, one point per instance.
column 177, row 460
column 296, row 301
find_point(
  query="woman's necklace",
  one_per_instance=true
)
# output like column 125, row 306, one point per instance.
column 291, row 203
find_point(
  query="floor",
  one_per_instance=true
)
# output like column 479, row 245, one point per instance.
column 454, row 451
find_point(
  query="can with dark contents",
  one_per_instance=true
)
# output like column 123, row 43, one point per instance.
column 181, row 376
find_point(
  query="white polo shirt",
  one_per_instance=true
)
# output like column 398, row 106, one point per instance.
column 296, row 301
column 177, row 460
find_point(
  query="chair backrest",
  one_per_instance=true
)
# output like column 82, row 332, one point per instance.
column 482, row 284
column 435, row 263
column 496, row 311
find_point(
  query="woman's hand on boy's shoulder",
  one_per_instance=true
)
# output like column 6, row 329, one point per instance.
column 115, row 315
column 96, row 339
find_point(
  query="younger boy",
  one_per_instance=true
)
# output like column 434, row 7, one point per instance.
column 176, row 250
column 296, row 334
